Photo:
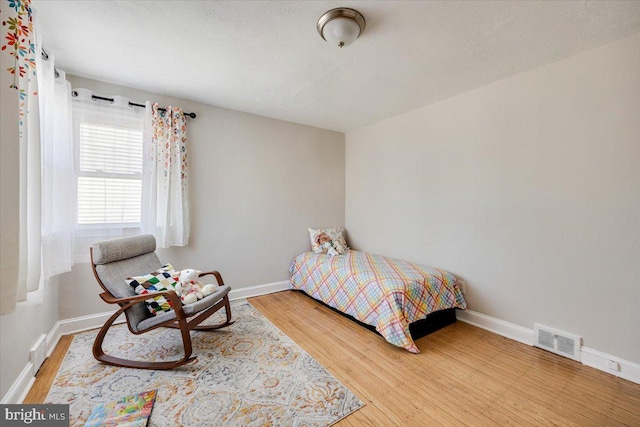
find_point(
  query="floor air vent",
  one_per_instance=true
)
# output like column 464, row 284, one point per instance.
column 558, row 342
column 38, row 353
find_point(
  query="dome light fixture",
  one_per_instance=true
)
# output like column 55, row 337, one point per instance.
column 341, row 26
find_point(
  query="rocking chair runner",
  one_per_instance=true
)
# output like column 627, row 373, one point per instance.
column 115, row 260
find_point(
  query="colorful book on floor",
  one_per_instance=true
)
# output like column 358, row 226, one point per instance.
column 128, row 411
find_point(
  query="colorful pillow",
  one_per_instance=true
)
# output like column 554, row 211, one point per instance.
column 160, row 280
column 328, row 240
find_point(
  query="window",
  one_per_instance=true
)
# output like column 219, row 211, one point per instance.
column 109, row 174
column 108, row 169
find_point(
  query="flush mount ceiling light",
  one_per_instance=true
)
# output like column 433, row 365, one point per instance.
column 341, row 26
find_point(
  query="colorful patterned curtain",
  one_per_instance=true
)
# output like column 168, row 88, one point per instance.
column 165, row 200
column 20, row 43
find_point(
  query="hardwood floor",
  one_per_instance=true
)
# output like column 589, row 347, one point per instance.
column 463, row 376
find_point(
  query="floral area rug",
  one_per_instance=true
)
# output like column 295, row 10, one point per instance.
column 248, row 374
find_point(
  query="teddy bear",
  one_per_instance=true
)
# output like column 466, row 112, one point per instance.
column 190, row 289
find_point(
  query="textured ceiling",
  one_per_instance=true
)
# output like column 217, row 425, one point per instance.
column 266, row 58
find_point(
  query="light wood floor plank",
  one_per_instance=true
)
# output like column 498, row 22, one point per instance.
column 463, row 376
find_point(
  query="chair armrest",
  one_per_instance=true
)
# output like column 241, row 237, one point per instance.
column 215, row 273
column 110, row 299
column 171, row 295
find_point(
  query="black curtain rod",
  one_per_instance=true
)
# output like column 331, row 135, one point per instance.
column 102, row 98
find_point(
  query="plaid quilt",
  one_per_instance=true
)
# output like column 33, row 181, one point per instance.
column 384, row 292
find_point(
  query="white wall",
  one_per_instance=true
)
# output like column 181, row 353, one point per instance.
column 528, row 188
column 256, row 184
column 20, row 330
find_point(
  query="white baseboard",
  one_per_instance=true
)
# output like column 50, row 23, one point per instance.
column 596, row 359
column 254, row 291
column 497, row 326
column 85, row 323
column 22, row 385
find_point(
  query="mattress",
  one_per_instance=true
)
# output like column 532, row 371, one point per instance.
column 386, row 293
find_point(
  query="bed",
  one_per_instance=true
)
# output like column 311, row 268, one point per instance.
column 386, row 293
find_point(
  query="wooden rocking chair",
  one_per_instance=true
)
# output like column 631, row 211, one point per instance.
column 115, row 260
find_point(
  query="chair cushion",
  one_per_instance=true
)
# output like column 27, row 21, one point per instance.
column 160, row 280
column 123, row 248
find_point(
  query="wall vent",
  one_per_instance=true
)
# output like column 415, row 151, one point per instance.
column 558, row 342
column 38, row 353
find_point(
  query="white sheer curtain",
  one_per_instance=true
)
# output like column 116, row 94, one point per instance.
column 165, row 205
column 58, row 193
column 46, row 164
column 108, row 167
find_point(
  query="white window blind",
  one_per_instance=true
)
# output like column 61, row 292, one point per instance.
column 109, row 174
column 108, row 168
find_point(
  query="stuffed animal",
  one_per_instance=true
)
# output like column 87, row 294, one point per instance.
column 189, row 292
column 189, row 289
column 330, row 249
column 325, row 242
column 188, row 275
column 208, row 289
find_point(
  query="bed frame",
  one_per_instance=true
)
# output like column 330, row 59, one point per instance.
column 433, row 322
